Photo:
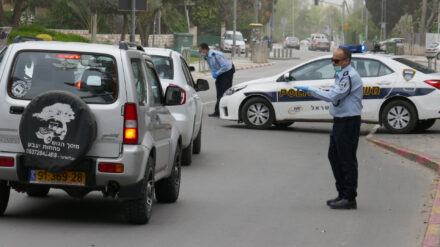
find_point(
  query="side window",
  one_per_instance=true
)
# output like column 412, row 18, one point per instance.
column 318, row 70
column 154, row 85
column 370, row 68
column 384, row 70
column 139, row 77
column 188, row 76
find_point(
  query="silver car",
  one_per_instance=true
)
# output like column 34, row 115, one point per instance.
column 172, row 69
column 86, row 117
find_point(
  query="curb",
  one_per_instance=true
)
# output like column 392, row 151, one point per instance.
column 432, row 235
column 255, row 66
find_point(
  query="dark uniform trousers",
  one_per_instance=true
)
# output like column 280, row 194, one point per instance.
column 344, row 140
column 223, row 83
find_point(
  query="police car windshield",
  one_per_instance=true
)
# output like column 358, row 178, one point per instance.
column 415, row 65
column 238, row 36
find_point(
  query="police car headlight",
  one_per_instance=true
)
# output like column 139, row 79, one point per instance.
column 233, row 90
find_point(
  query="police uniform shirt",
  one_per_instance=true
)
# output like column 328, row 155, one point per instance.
column 345, row 96
column 217, row 62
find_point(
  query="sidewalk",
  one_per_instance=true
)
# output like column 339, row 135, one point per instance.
column 240, row 63
column 422, row 148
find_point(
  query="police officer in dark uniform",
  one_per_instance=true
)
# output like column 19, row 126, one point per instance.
column 345, row 107
column 222, row 70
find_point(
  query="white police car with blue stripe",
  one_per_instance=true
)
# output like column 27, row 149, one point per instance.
column 398, row 93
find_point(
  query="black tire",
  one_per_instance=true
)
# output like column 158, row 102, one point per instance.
column 197, row 143
column 187, row 155
column 37, row 191
column 167, row 190
column 424, row 124
column 56, row 130
column 438, row 56
column 4, row 196
column 138, row 211
column 257, row 113
column 283, row 124
column 399, row 117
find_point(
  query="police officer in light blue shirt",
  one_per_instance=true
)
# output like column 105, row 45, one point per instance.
column 346, row 106
column 222, row 71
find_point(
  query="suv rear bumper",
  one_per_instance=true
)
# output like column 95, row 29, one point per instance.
column 134, row 159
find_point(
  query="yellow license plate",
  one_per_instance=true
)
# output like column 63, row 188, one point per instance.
column 63, row 178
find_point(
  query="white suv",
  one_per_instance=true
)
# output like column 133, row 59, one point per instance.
column 227, row 41
column 173, row 70
column 85, row 117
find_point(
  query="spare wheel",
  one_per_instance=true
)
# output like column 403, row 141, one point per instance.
column 57, row 129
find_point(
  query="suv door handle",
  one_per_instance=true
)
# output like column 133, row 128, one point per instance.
column 16, row 110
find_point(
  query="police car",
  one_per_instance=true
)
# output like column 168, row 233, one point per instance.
column 398, row 93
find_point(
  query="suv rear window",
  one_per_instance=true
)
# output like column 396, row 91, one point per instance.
column 92, row 77
column 163, row 66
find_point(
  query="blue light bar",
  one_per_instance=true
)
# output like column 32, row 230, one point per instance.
column 354, row 48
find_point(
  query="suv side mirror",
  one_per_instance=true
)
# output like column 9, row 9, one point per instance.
column 192, row 68
column 173, row 95
column 202, row 85
column 245, row 40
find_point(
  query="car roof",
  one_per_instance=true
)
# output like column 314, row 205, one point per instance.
column 67, row 46
column 159, row 51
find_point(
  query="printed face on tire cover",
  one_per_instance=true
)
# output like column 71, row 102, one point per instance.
column 57, row 129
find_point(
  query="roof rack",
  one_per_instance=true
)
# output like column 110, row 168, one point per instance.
column 19, row 39
column 124, row 45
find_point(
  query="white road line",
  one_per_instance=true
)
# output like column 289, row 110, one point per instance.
column 210, row 102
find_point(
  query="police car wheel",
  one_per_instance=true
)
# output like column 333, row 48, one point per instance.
column 399, row 116
column 257, row 113
column 4, row 196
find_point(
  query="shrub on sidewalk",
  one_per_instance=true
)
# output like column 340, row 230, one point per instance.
column 34, row 30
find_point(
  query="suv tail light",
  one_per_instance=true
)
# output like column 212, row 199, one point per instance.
column 111, row 167
column 6, row 162
column 435, row 83
column 183, row 92
column 130, row 124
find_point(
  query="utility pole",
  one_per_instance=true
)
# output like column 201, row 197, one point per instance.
column 234, row 28
column 256, row 3
column 383, row 17
column 133, row 20
column 187, row 15
column 293, row 17
column 160, row 16
column 366, row 22
column 343, row 22
column 272, row 19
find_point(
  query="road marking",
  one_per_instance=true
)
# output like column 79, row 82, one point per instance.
column 210, row 102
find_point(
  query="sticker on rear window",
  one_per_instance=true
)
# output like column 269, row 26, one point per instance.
column 20, row 88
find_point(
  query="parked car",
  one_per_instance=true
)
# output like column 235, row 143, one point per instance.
column 87, row 117
column 320, row 44
column 291, row 42
column 398, row 93
column 173, row 70
column 433, row 50
column 227, row 41
column 398, row 41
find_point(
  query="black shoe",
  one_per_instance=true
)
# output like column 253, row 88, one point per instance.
column 214, row 115
column 343, row 204
column 333, row 200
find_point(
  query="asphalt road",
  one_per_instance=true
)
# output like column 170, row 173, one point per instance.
column 247, row 188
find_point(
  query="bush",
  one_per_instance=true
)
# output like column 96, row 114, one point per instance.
column 34, row 30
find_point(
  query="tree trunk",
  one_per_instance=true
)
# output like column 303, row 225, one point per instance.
column 18, row 9
column 423, row 19
column 433, row 16
column 141, row 33
column 124, row 27
column 94, row 26
column 4, row 21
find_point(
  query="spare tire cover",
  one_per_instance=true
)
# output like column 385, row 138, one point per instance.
column 56, row 130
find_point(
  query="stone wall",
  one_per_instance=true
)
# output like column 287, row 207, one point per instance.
column 163, row 40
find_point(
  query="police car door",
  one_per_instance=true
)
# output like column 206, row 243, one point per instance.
column 378, row 80
column 294, row 104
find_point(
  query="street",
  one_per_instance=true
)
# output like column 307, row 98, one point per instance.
column 246, row 188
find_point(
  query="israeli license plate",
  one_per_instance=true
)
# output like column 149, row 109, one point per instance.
column 63, row 178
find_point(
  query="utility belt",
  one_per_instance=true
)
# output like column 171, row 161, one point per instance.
column 341, row 119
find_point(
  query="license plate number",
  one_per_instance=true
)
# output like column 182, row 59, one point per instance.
column 63, row 178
